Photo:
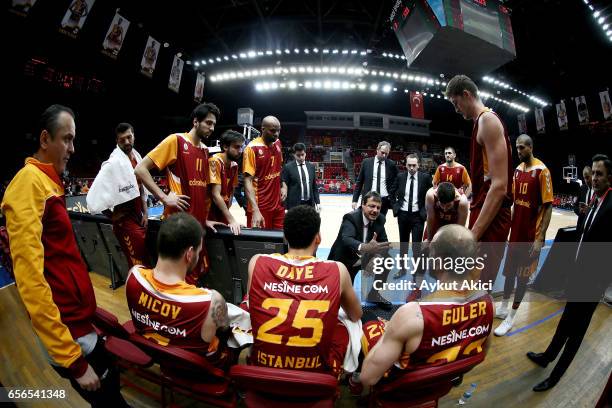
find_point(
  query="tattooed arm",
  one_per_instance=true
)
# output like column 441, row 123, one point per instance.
column 216, row 318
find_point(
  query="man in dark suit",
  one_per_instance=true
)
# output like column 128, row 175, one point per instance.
column 377, row 174
column 408, row 203
column 584, row 196
column 363, row 233
column 299, row 180
column 587, row 281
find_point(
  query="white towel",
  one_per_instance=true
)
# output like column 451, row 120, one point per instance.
column 240, row 324
column 351, row 359
column 115, row 183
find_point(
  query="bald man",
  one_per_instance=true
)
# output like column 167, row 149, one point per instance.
column 262, row 162
column 423, row 333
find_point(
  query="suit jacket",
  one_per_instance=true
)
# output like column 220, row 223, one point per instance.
column 351, row 236
column 591, row 274
column 424, row 183
column 581, row 199
column 291, row 177
column 363, row 184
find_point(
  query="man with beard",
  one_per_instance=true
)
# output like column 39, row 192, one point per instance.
column 224, row 177
column 491, row 168
column 184, row 156
column 262, row 163
column 452, row 172
column 533, row 196
column 117, row 193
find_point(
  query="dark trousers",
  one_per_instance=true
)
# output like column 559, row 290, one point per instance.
column 570, row 332
column 108, row 394
column 410, row 224
column 386, row 204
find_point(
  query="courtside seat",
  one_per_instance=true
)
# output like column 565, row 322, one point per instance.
column 277, row 388
column 423, row 387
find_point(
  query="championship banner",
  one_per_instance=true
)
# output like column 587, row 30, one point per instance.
column 522, row 123
column 75, row 17
column 149, row 58
column 539, row 117
column 115, row 36
column 21, row 7
column 583, row 112
column 417, row 109
column 562, row 115
column 606, row 106
column 175, row 74
column 199, row 88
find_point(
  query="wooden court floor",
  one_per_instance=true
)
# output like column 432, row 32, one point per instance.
column 504, row 379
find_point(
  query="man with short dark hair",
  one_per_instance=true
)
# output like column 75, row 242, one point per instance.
column 452, row 172
column 51, row 276
column 168, row 310
column 184, row 156
column 299, row 180
column 491, row 168
column 224, row 178
column 294, row 301
column 117, row 193
column 377, row 174
column 418, row 333
column 445, row 205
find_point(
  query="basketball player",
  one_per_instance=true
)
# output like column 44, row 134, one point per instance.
column 420, row 334
column 452, row 172
column 168, row 310
column 491, row 161
column 294, row 301
column 262, row 162
column 184, row 156
column 533, row 195
column 445, row 205
column 224, row 178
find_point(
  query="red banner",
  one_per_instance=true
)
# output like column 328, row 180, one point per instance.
column 416, row 105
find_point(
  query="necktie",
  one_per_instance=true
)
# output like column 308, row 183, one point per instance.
column 410, row 193
column 378, row 177
column 366, row 231
column 588, row 197
column 590, row 217
column 304, row 183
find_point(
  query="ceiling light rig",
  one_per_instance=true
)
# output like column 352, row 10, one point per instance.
column 601, row 18
column 501, row 84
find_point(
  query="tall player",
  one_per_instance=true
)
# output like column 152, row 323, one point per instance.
column 184, row 156
column 453, row 172
column 533, row 195
column 262, row 163
column 224, row 178
column 445, row 205
column 420, row 334
column 491, row 162
column 294, row 301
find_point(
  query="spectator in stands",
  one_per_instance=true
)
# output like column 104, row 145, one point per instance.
column 403, row 345
column 299, row 179
column 585, row 195
column 377, row 174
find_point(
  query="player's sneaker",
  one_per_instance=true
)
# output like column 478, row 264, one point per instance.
column 504, row 327
column 501, row 311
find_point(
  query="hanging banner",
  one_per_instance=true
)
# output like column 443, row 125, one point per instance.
column 606, row 106
column 562, row 115
column 522, row 123
column 175, row 74
column 21, row 7
column 583, row 112
column 416, row 105
column 199, row 88
column 115, row 36
column 149, row 58
column 75, row 17
column 539, row 117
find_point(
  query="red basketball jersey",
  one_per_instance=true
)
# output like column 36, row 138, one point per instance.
column 227, row 178
column 169, row 314
column 481, row 180
column 294, row 306
column 454, row 327
column 456, row 175
column 264, row 164
column 443, row 217
column 531, row 187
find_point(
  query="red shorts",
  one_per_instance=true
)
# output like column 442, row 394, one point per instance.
column 273, row 219
column 132, row 236
column 372, row 333
column 337, row 351
column 491, row 242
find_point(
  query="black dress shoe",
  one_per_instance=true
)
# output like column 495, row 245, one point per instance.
column 546, row 385
column 538, row 358
column 376, row 298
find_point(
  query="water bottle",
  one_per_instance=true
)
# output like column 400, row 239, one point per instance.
column 467, row 395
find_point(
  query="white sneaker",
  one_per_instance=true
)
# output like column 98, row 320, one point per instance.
column 501, row 312
column 504, row 327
